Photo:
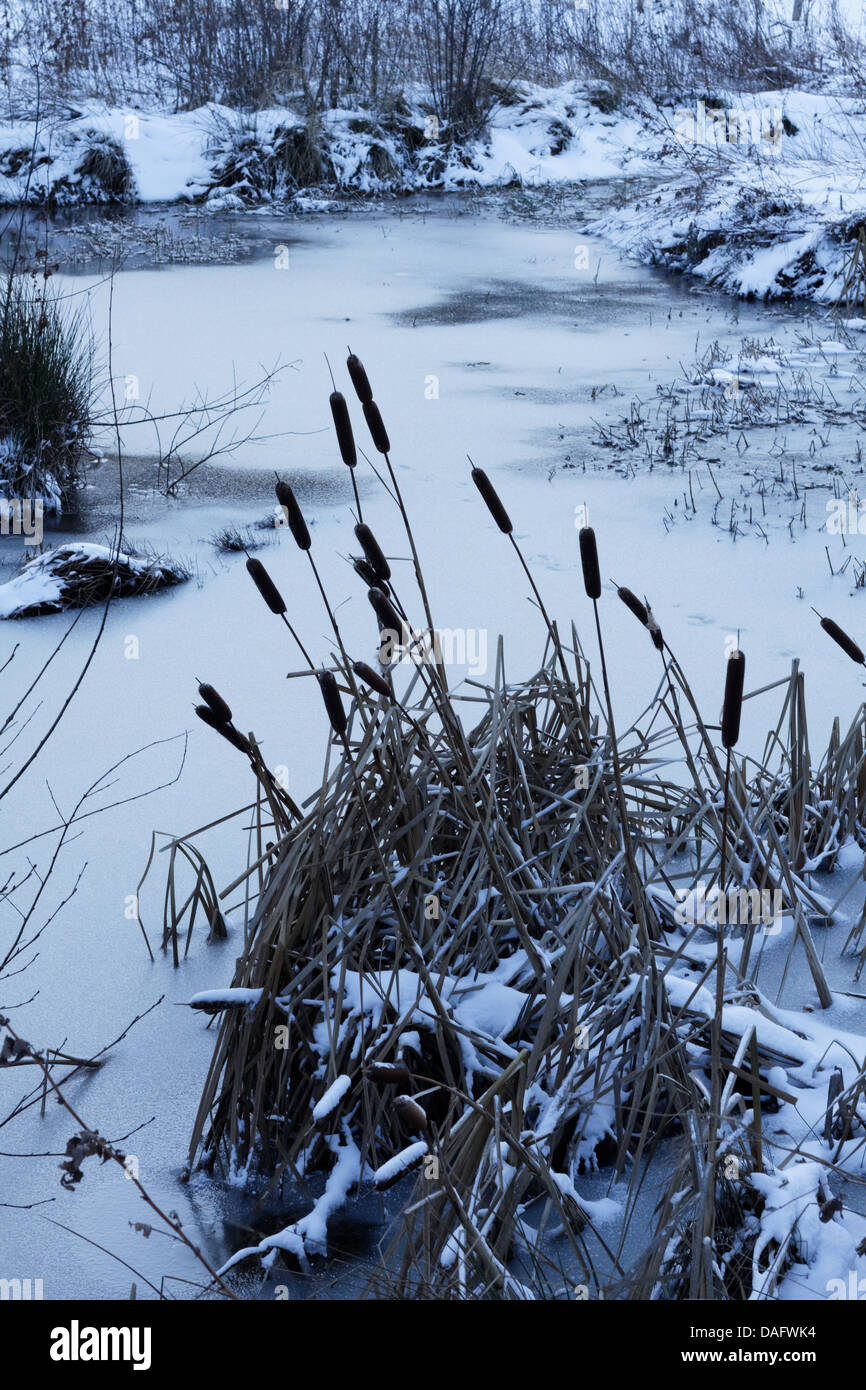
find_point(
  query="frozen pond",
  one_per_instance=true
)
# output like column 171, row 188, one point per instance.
column 484, row 335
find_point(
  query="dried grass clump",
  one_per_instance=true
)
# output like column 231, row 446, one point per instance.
column 235, row 540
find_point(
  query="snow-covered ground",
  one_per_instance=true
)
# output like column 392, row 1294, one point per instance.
column 524, row 347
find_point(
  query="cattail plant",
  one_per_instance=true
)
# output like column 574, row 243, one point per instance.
column 492, row 501
column 643, row 613
column 848, row 645
column 379, row 435
column 333, row 703
column 360, row 380
column 733, row 702
column 384, row 609
column 388, row 617
column 210, row 717
column 275, row 601
column 365, row 571
column 411, row 1114
column 386, row 1073
column 345, row 437
column 343, row 427
column 376, row 426
column 215, row 701
column 294, row 515
column 592, row 584
column 298, row 528
column 732, row 707
column 372, row 679
column 266, row 587
column 589, row 563
column 216, row 713
column 373, row 553
column 494, row 505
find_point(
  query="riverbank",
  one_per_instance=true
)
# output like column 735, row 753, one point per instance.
column 758, row 194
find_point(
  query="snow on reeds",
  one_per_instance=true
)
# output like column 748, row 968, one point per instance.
column 470, row 959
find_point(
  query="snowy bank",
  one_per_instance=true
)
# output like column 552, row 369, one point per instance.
column 226, row 158
column 77, row 575
column 766, row 208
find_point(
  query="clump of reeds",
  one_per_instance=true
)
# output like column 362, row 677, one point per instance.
column 541, row 848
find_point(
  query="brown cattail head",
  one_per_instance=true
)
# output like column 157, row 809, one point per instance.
column 491, row 498
column 643, row 613
column 343, row 426
column 385, row 611
column 634, row 605
column 372, row 678
column 373, row 551
column 228, row 731
column 363, row 389
column 368, row 574
column 589, row 561
column 733, row 704
column 210, row 716
column 375, row 424
column 848, row 645
column 411, row 1114
column 383, row 1073
column 266, row 586
column 216, row 702
column 295, row 517
column 333, row 703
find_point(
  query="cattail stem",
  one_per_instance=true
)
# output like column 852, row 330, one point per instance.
column 434, row 688
column 550, row 628
column 497, row 511
column 411, row 944
column 617, row 776
column 333, row 621
column 725, row 822
column 357, row 495
column 419, row 577
column 274, row 600
column 305, row 654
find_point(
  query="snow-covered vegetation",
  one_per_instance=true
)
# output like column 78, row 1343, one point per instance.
column 514, row 959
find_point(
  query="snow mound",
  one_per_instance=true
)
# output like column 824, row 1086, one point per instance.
column 78, row 575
